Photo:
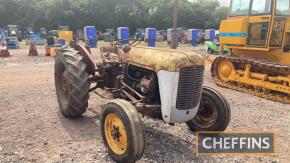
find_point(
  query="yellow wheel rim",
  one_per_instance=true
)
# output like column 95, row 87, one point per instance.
column 116, row 134
column 225, row 69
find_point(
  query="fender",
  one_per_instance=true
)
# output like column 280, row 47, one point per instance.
column 84, row 52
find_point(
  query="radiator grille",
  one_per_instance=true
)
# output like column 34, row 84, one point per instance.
column 189, row 87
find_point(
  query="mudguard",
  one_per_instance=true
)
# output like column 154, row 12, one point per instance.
column 84, row 52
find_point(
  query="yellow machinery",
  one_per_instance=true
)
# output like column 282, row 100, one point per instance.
column 65, row 35
column 258, row 34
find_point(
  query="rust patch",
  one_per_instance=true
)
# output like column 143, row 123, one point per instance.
column 87, row 58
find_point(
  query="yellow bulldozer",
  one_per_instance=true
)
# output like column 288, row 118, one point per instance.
column 258, row 35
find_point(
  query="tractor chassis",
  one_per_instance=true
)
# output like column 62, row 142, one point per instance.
column 121, row 90
column 121, row 127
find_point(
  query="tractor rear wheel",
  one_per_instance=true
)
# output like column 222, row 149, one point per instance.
column 71, row 83
column 122, row 131
column 214, row 112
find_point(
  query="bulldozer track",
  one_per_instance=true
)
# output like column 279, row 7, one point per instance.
column 260, row 66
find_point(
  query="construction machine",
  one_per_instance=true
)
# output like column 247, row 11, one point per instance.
column 29, row 35
column 20, row 36
column 63, row 28
column 258, row 36
column 109, row 35
column 28, row 32
column 43, row 33
column 159, row 83
column 11, row 37
column 53, row 33
column 64, row 34
column 12, row 30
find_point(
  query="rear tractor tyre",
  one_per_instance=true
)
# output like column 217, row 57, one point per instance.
column 214, row 112
column 71, row 83
column 122, row 131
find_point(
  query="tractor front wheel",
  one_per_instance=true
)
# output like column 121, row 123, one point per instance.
column 122, row 131
column 71, row 83
column 214, row 112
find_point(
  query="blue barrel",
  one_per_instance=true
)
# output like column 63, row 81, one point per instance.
column 150, row 35
column 123, row 35
column 210, row 34
column 61, row 42
column 193, row 36
column 90, row 34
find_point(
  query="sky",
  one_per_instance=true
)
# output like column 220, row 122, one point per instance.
column 224, row 2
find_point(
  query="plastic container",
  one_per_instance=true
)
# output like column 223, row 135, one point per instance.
column 210, row 34
column 61, row 42
column 90, row 35
column 193, row 36
column 150, row 36
column 123, row 35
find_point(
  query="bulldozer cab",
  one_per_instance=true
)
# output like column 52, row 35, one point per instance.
column 262, row 24
column 257, row 32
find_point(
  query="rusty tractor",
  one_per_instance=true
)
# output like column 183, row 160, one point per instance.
column 159, row 83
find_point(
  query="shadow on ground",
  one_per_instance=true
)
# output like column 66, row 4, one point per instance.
column 83, row 128
column 160, row 146
column 170, row 148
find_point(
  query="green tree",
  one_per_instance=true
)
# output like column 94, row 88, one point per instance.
column 110, row 13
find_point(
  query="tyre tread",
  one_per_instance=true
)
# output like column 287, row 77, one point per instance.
column 78, row 82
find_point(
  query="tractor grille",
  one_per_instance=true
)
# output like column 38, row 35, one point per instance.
column 189, row 87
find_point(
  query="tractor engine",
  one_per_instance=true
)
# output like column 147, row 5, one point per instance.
column 143, row 81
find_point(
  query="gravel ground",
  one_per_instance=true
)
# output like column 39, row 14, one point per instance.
column 33, row 130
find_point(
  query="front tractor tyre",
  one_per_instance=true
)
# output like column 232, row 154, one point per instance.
column 122, row 131
column 214, row 112
column 71, row 83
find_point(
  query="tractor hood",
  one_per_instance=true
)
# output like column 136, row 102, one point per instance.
column 157, row 59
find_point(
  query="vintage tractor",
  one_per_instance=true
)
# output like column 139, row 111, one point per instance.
column 159, row 83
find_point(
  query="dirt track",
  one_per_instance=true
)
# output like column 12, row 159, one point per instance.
column 33, row 130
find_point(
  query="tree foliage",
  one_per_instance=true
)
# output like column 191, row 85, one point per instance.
column 110, row 13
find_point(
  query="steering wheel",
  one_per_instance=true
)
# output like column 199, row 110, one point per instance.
column 119, row 44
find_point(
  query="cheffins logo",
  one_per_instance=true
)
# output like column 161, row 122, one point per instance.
column 235, row 143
